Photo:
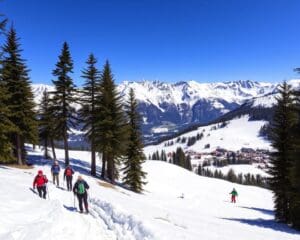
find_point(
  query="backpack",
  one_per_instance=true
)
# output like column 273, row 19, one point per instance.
column 81, row 188
column 68, row 172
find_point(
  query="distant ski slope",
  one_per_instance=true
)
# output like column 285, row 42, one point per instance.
column 238, row 133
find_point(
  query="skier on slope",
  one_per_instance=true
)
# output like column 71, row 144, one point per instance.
column 55, row 169
column 40, row 181
column 234, row 194
column 80, row 189
column 68, row 174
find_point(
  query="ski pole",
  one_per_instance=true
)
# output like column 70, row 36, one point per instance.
column 74, row 201
column 48, row 191
column 89, row 199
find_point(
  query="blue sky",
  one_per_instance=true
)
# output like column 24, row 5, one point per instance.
column 203, row 40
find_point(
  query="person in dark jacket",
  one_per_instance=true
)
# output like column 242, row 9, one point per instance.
column 55, row 169
column 68, row 174
column 80, row 189
column 40, row 181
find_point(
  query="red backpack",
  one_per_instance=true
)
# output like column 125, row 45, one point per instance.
column 68, row 172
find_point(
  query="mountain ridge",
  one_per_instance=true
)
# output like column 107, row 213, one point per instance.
column 167, row 108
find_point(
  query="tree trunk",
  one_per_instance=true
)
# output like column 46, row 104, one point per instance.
column 53, row 149
column 19, row 149
column 103, row 170
column 66, row 146
column 93, row 160
column 110, row 169
column 46, row 149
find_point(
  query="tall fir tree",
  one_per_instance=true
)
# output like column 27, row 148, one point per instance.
column 6, row 128
column 295, row 170
column 133, row 173
column 90, row 92
column 20, row 97
column 64, row 97
column 281, row 160
column 47, row 123
column 110, row 128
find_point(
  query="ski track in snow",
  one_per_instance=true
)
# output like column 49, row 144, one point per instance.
column 58, row 214
column 116, row 224
column 124, row 226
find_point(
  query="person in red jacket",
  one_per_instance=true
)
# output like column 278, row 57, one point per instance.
column 40, row 182
column 68, row 174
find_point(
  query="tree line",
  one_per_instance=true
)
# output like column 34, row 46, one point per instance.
column 231, row 176
column 111, row 127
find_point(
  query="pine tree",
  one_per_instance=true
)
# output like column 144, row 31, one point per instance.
column 231, row 176
column 44, row 130
column 88, row 111
column 133, row 173
column 20, row 97
column 6, row 128
column 295, row 169
column 47, row 123
column 110, row 127
column 64, row 97
column 179, row 159
column 200, row 170
column 282, row 142
column 188, row 163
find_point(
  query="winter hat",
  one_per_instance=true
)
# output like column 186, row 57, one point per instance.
column 40, row 172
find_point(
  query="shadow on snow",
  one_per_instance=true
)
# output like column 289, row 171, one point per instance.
column 265, row 223
column 71, row 209
column 262, row 210
column 78, row 166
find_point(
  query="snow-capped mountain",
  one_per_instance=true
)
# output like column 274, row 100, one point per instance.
column 38, row 90
column 170, row 107
column 188, row 102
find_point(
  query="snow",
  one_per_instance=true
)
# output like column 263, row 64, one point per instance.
column 239, row 133
column 116, row 213
column 156, row 93
column 160, row 130
column 269, row 100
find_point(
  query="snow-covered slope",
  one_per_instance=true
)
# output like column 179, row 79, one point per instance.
column 204, row 213
column 238, row 133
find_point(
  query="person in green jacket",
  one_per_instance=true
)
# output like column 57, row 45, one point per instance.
column 234, row 194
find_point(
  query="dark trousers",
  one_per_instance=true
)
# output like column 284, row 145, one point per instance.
column 69, row 182
column 42, row 191
column 82, row 198
column 55, row 179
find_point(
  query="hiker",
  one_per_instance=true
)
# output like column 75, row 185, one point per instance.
column 233, row 195
column 55, row 169
column 40, row 181
column 68, row 174
column 80, row 189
